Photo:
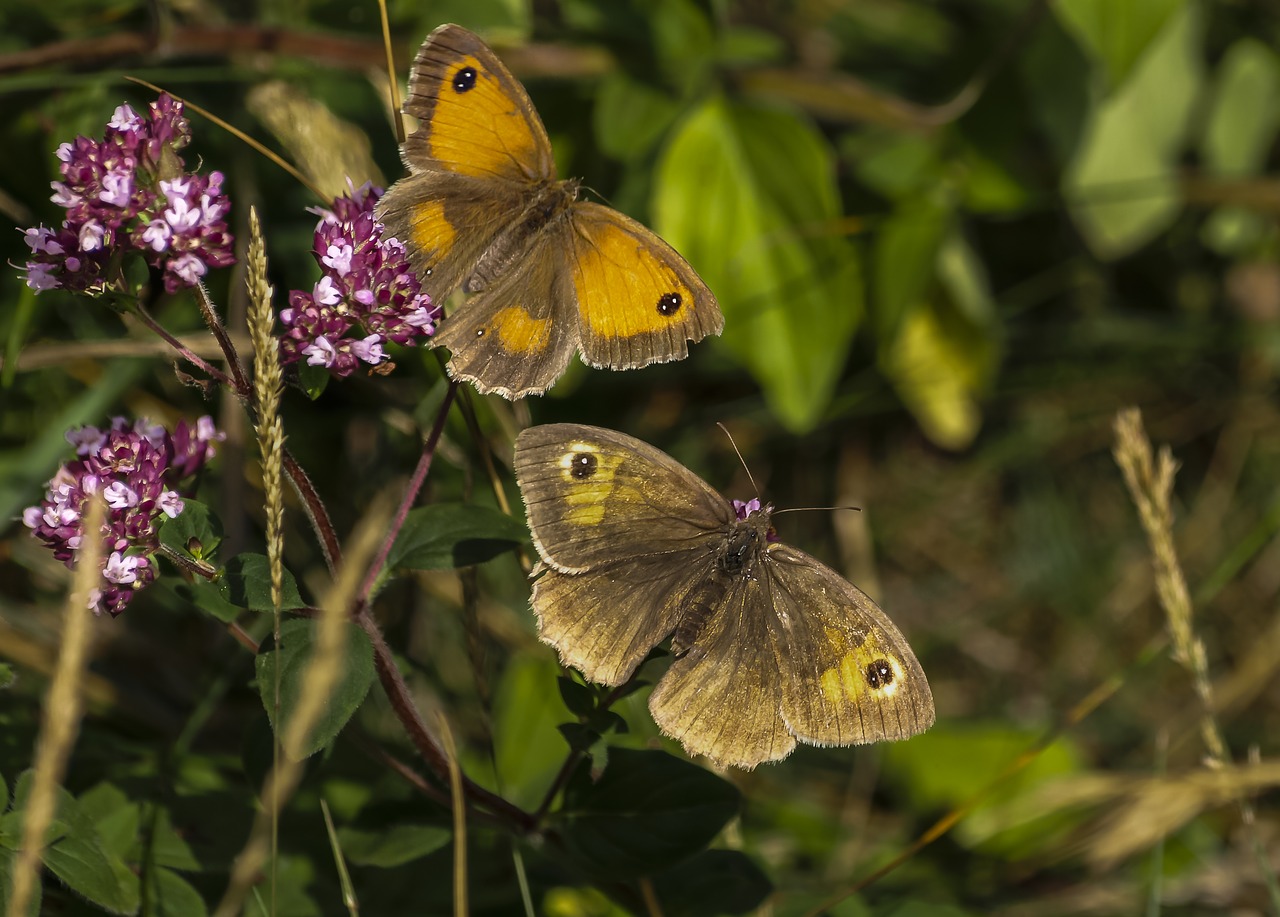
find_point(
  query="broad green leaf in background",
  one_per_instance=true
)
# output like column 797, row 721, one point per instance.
column 526, row 710
column 1116, row 32
column 976, row 754
column 1243, row 116
column 905, row 256
column 748, row 195
column 631, row 116
column 647, row 811
column 297, row 638
column 1122, row 185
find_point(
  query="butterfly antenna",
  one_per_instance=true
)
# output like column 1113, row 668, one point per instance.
column 815, row 509
column 740, row 458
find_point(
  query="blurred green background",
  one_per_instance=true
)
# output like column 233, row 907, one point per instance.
column 951, row 239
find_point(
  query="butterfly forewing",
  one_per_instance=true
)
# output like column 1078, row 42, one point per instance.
column 848, row 675
column 596, row 496
column 638, row 301
column 475, row 117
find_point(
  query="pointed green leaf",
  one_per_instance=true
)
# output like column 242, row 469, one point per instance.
column 748, row 195
column 648, row 811
column 1116, row 32
column 297, row 640
column 391, row 846
column 246, row 583
column 196, row 531
column 447, row 535
column 712, row 882
column 170, row 895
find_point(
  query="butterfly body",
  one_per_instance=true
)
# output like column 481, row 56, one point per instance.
column 482, row 209
column 770, row 646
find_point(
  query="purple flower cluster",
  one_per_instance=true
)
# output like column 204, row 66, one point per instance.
column 128, row 192
column 138, row 469
column 369, row 294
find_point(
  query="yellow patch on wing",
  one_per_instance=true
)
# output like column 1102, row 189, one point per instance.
column 430, row 233
column 480, row 131
column 863, row 670
column 521, row 333
column 587, row 494
column 625, row 285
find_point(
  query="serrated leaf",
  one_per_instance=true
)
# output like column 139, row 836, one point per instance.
column 79, row 860
column 648, row 811
column 712, row 882
column 391, row 846
column 448, row 535
column 1116, row 32
column 1122, row 185
column 195, row 526
column 246, row 583
column 748, row 195
column 297, row 639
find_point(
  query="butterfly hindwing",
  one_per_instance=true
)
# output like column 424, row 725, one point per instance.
column 847, row 674
column 474, row 117
column 508, row 338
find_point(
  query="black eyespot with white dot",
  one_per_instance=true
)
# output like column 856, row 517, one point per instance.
column 669, row 303
column 583, row 465
column 464, row 80
column 879, row 674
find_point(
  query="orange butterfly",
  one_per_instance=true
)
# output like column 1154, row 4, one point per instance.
column 482, row 208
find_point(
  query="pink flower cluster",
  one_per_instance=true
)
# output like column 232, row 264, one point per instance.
column 368, row 294
column 138, row 469
column 129, row 193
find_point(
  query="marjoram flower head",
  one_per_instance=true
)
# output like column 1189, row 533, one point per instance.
column 142, row 471
column 367, row 294
column 129, row 193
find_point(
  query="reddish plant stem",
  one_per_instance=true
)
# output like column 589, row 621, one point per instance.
column 401, row 699
column 315, row 510
column 182, row 348
column 228, row 347
column 411, row 492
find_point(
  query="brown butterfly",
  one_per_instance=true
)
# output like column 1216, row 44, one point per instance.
column 770, row 646
column 482, row 208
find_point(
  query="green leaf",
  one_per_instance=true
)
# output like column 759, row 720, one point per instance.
column 391, row 846
column 1243, row 116
column 630, row 116
column 1116, row 32
column 170, row 895
column 6, row 675
column 207, row 595
column 297, row 639
column 648, row 811
column 748, row 195
column 246, row 583
column 447, row 535
column 196, row 531
column 905, row 255
column 712, row 882
column 527, row 750
column 579, row 737
column 80, row 860
column 579, row 698
column 1122, row 185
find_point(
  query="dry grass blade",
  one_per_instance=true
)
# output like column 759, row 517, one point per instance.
column 62, row 709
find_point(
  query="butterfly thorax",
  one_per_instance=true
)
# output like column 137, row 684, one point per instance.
column 547, row 202
column 744, row 542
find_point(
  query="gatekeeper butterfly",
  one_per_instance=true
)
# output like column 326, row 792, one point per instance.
column 771, row 647
column 482, row 208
